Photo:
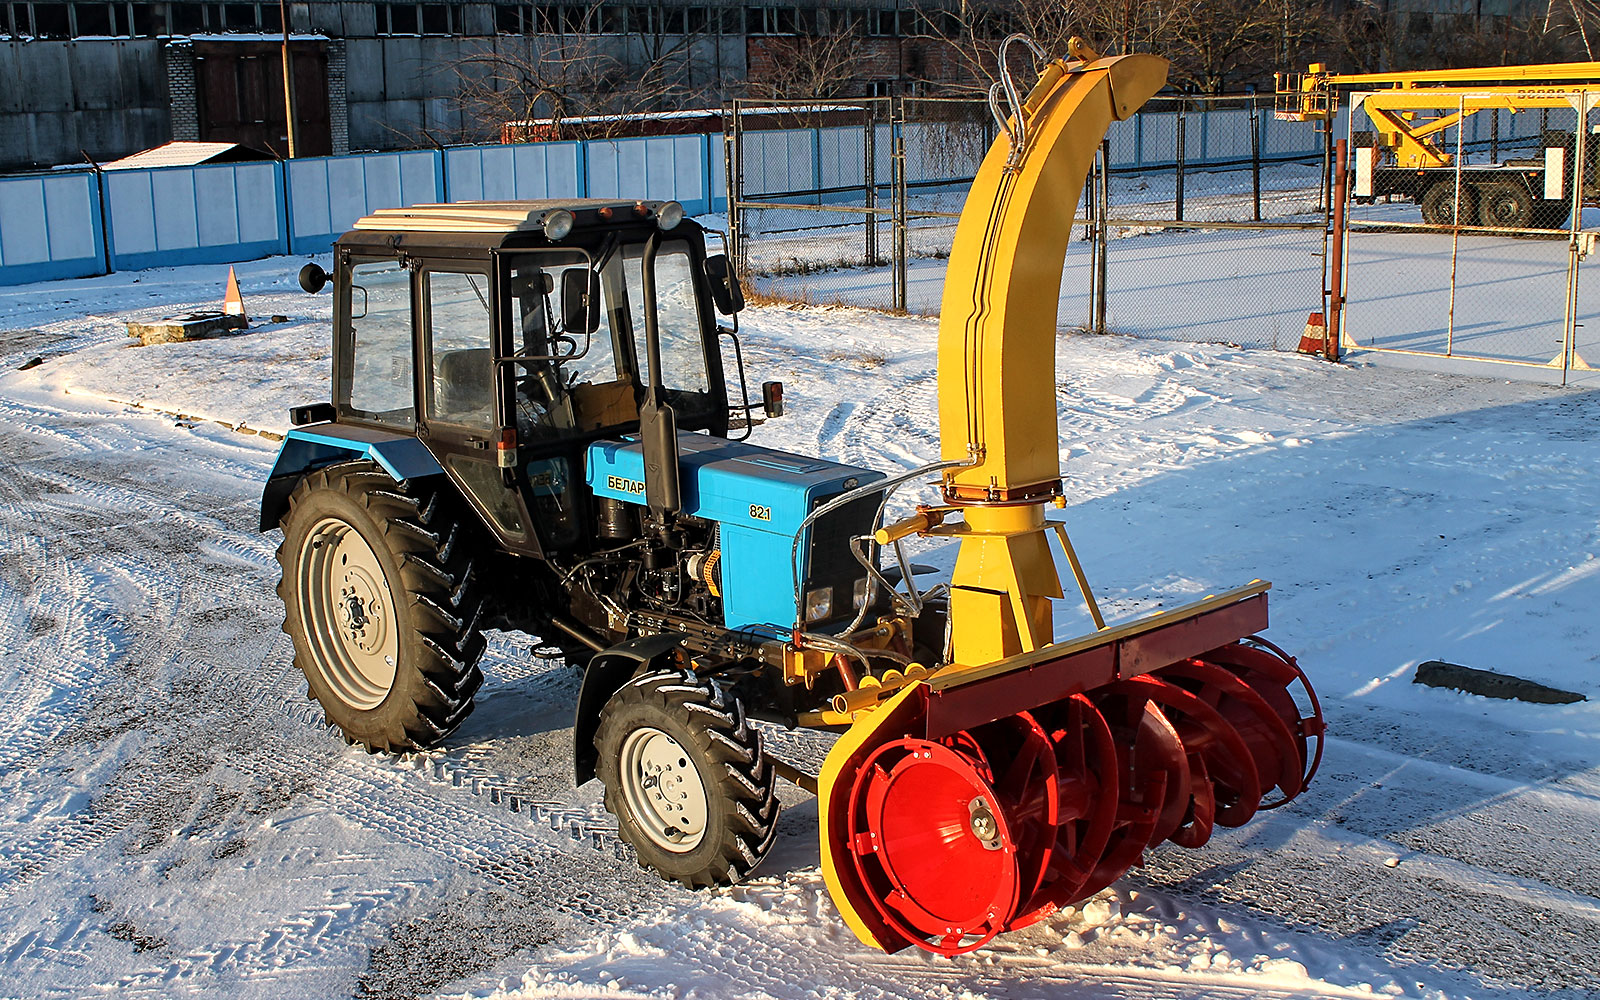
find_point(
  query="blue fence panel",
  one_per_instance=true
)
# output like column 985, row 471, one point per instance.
column 670, row 168
column 1124, row 136
column 515, row 172
column 328, row 194
column 195, row 215
column 50, row 228
column 716, row 159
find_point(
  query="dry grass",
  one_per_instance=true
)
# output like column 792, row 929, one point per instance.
column 866, row 359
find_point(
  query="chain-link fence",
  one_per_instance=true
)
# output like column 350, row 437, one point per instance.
column 1467, row 245
column 846, row 203
column 1219, row 233
column 1201, row 221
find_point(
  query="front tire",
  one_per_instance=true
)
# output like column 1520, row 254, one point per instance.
column 687, row 779
column 381, row 602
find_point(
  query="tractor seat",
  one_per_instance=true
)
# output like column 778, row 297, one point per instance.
column 464, row 386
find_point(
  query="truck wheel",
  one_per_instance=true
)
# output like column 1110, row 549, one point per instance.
column 1505, row 206
column 380, row 600
column 1439, row 205
column 687, row 779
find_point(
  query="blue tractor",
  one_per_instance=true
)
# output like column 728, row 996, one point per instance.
column 531, row 429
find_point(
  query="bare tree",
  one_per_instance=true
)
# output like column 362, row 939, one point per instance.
column 556, row 77
column 1217, row 44
column 813, row 64
column 1365, row 38
column 972, row 29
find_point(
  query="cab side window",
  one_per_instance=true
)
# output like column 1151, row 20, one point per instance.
column 459, row 388
column 379, row 385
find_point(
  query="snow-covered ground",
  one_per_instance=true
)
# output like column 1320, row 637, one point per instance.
column 174, row 819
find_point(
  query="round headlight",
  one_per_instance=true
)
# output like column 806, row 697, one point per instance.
column 557, row 224
column 669, row 215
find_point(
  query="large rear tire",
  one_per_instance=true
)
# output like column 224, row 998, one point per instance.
column 1439, row 207
column 687, row 779
column 381, row 602
column 1505, row 205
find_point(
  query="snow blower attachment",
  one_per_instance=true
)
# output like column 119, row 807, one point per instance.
column 532, row 428
column 1026, row 774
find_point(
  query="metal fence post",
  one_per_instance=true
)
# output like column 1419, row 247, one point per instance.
column 1255, row 160
column 1092, row 236
column 1455, row 230
column 897, row 111
column 1101, row 236
column 1178, row 195
column 871, row 180
column 1569, row 335
column 734, row 160
column 1330, row 344
column 1324, row 202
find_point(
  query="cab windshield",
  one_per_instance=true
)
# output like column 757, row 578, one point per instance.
column 579, row 364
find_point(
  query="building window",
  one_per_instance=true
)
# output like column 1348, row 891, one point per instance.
column 93, row 19
column 578, row 20
column 402, row 20
column 51, row 20
column 774, row 21
column 435, row 19
column 882, row 23
column 187, row 18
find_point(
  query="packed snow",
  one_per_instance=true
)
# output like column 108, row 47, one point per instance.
column 175, row 820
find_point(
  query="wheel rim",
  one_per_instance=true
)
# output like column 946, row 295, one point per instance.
column 663, row 790
column 349, row 614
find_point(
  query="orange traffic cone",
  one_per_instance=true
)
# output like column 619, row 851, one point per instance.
column 232, row 301
column 1315, row 339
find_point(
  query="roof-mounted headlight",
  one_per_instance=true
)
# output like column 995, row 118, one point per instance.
column 669, row 215
column 557, row 224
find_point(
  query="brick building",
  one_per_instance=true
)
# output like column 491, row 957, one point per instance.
column 110, row 78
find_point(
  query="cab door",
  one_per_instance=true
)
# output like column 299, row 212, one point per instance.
column 460, row 398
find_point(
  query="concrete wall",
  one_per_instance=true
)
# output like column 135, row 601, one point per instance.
column 402, row 90
column 108, row 98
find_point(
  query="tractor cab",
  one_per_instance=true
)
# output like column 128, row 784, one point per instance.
column 509, row 336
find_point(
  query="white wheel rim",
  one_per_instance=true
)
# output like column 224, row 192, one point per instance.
column 348, row 612
column 663, row 790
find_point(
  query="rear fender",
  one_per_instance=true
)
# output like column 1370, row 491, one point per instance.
column 306, row 449
column 604, row 675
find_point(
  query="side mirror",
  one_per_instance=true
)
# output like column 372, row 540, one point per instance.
column 313, row 278
column 580, row 301
column 725, row 290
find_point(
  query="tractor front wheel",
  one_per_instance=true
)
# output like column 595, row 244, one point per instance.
column 380, row 601
column 687, row 779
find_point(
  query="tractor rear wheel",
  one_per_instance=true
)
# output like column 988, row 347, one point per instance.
column 380, row 600
column 687, row 778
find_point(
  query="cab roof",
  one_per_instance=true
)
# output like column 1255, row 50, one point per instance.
column 502, row 217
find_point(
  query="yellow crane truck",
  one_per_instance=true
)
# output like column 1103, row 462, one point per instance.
column 1407, row 153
